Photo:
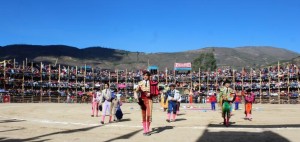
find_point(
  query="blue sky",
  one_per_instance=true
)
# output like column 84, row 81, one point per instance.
column 151, row 25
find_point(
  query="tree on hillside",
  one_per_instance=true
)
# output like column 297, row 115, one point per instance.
column 137, row 56
column 205, row 61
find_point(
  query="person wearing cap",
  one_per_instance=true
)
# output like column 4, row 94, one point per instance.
column 225, row 92
column 249, row 99
column 173, row 97
column 145, row 101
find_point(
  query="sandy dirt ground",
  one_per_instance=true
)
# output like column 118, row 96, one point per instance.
column 73, row 123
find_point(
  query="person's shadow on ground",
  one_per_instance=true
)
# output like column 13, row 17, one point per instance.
column 180, row 119
column 161, row 129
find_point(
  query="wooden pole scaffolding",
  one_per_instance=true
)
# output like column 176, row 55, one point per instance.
column 207, row 86
column 49, row 80
column 58, row 82
column 32, row 77
column 117, row 76
column 251, row 78
column 288, row 83
column 158, row 75
column 278, row 68
column 166, row 75
column 233, row 79
column 4, row 72
column 109, row 77
column 93, row 76
column 217, row 81
column 76, row 84
column 59, row 73
column 23, row 80
column 269, row 78
column 84, row 76
column 117, row 85
column 243, row 75
column 175, row 75
column 199, row 84
column 260, row 90
column 14, row 63
column 23, row 66
column 297, row 75
column 126, row 78
column 192, row 86
column 68, row 88
column 41, row 81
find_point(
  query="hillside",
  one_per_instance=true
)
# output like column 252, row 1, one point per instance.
column 295, row 61
column 112, row 58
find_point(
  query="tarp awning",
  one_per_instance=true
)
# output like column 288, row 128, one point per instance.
column 183, row 69
column 153, row 68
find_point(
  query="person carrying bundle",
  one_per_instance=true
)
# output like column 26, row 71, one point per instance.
column 147, row 89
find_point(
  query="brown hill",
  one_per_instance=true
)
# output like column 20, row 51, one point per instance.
column 112, row 58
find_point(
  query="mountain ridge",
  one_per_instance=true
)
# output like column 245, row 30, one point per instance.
column 238, row 57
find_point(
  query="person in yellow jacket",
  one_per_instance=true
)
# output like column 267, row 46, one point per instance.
column 225, row 92
column 162, row 100
column 225, row 99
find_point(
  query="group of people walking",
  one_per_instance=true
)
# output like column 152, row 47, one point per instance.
column 171, row 98
column 108, row 102
column 227, row 97
column 144, row 93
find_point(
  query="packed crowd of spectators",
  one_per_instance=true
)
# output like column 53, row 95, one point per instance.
column 37, row 79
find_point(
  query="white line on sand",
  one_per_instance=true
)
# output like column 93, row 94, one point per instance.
column 139, row 126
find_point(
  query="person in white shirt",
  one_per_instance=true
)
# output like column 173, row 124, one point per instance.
column 173, row 97
column 106, row 101
column 119, row 96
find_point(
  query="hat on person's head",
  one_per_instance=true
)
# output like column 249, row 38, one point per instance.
column 154, row 78
column 248, row 90
column 145, row 72
column 226, row 81
column 172, row 85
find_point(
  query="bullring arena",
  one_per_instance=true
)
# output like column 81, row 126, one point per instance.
column 72, row 122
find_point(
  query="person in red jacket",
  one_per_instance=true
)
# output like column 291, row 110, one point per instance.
column 147, row 90
column 213, row 100
column 237, row 102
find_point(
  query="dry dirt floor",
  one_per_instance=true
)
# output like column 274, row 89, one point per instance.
column 62, row 122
